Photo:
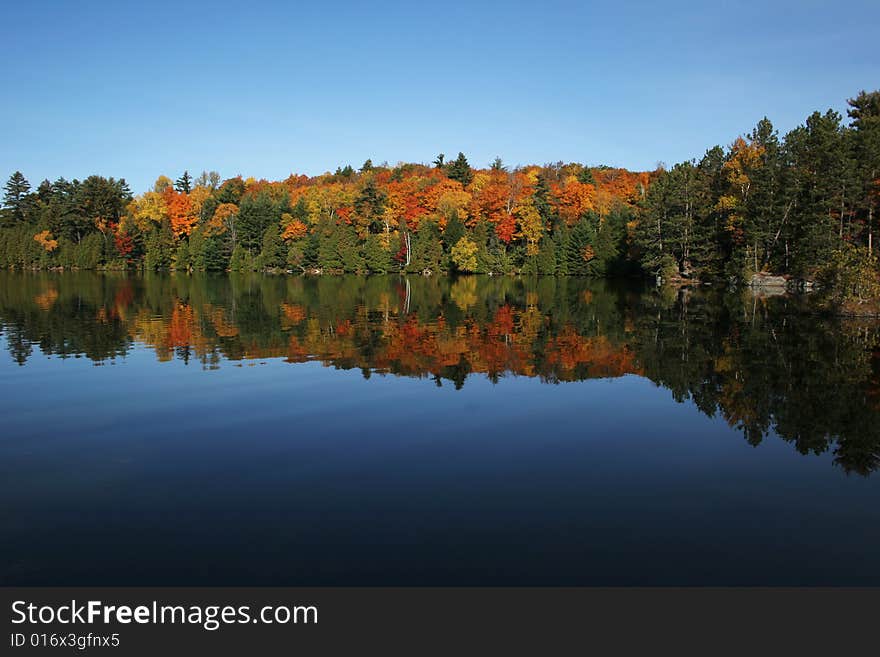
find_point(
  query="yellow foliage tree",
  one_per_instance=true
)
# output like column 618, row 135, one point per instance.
column 162, row 183
column 531, row 226
column 464, row 255
column 223, row 219
column 197, row 198
column 148, row 209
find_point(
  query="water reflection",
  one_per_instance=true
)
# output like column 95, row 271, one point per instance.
column 765, row 365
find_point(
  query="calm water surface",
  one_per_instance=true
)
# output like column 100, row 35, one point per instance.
column 267, row 430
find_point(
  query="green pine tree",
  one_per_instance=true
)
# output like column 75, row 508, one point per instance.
column 184, row 183
column 274, row 252
column 460, row 170
column 16, row 197
column 377, row 258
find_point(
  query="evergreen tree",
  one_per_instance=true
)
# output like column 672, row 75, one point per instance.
column 241, row 260
column 427, row 251
column 665, row 234
column 182, row 260
column 349, row 249
column 184, row 183
column 561, row 240
column 311, row 247
column 274, row 252
column 485, row 257
column 502, row 257
column 586, row 176
column 16, row 197
column 453, row 232
column 865, row 114
column 300, row 211
column 545, row 261
column 460, row 170
column 710, row 242
column 369, row 207
column 198, row 250
column 376, row 257
column 231, row 191
column 580, row 252
column 543, row 199
column 817, row 154
column 100, row 198
column 764, row 209
column 160, row 251
column 256, row 213
column 328, row 247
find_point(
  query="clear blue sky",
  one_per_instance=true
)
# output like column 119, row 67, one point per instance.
column 264, row 89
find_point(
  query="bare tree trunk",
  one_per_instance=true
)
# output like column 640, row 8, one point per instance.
column 776, row 237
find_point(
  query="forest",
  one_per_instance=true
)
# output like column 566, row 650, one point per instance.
column 802, row 205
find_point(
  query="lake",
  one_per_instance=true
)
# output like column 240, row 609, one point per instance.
column 177, row 430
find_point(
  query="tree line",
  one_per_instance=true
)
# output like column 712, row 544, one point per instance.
column 800, row 205
column 803, row 205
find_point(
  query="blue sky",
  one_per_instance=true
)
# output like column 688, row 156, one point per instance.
column 266, row 89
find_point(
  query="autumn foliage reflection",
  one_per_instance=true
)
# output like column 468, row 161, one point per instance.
column 761, row 364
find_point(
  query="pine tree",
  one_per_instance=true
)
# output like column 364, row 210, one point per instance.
column 274, row 252
column 427, row 250
column 460, row 170
column 369, row 207
column 349, row 249
column 328, row 247
column 579, row 251
column 586, row 176
column 817, row 154
column 561, row 240
column 543, row 199
column 710, row 242
column 865, row 114
column 241, row 260
column 256, row 213
column 182, row 257
column 159, row 252
column 546, row 258
column 376, row 257
column 197, row 250
column 184, row 183
column 454, row 231
column 481, row 236
column 16, row 196
column 311, row 247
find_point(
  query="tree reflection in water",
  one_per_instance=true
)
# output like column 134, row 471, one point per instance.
column 765, row 365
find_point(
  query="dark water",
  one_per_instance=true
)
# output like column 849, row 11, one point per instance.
column 259, row 430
